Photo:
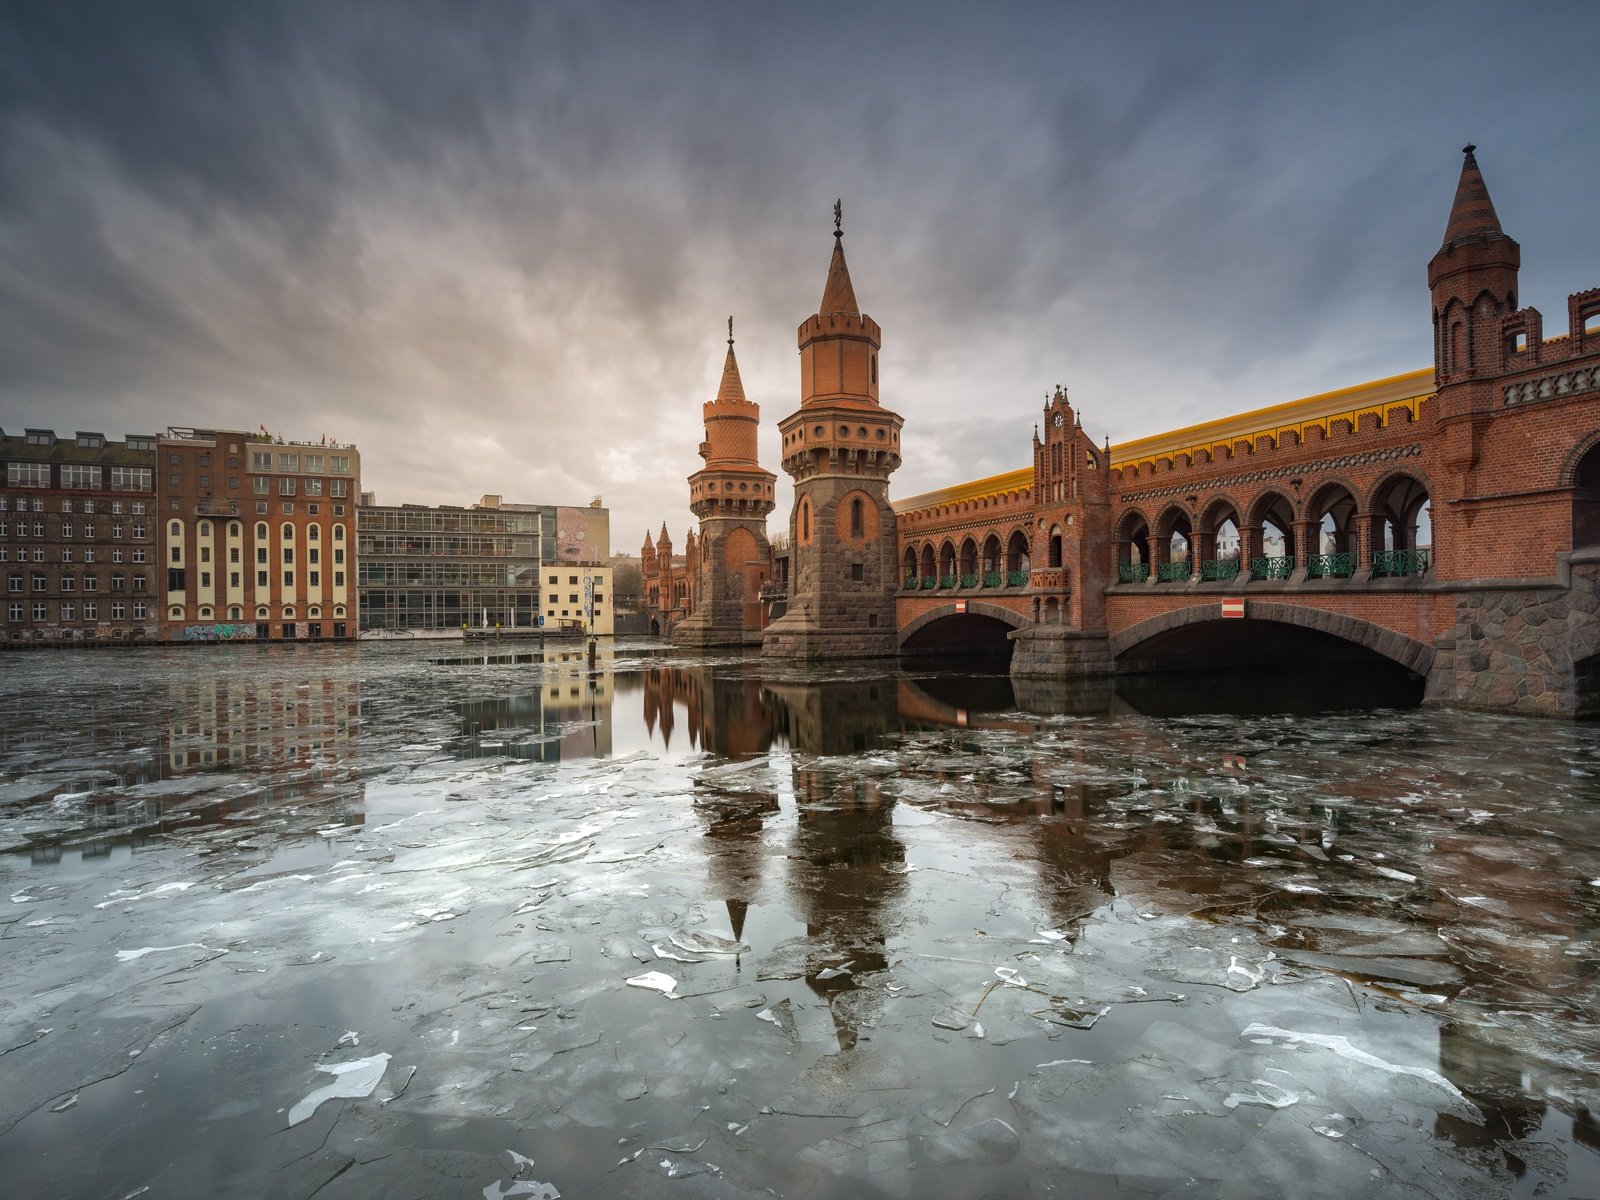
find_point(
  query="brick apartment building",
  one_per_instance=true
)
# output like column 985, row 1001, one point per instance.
column 257, row 537
column 78, row 541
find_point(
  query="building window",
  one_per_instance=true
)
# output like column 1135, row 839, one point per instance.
column 138, row 583
column 38, row 583
column 91, row 583
column 261, row 554
column 288, row 554
column 138, row 530
column 205, row 554
column 288, row 462
column 66, row 554
column 260, row 485
column 14, row 611
column 205, row 579
column 313, row 462
column 288, row 579
column 233, row 554
column 338, row 555
column 138, row 511
column 337, row 489
column 175, row 579
column 338, row 579
column 312, row 554
column 313, row 578
column 233, row 579
column 338, row 533
column 66, row 529
column 261, row 579
column 176, row 554
column 91, row 610
column 119, row 610
column 119, row 583
column 260, row 460
column 285, row 485
column 339, row 464
column 68, row 583
column 67, row 610
column 139, row 610
column 27, row 474
column 139, row 554
column 39, row 611
column 313, row 487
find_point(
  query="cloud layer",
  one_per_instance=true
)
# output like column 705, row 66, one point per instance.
column 495, row 244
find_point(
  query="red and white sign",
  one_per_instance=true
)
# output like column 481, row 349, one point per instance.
column 961, row 606
column 1232, row 609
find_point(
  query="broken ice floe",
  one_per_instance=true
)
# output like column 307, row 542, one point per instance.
column 1341, row 1045
column 698, row 942
column 352, row 1080
column 656, row 981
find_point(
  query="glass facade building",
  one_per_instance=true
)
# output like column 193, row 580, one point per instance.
column 441, row 568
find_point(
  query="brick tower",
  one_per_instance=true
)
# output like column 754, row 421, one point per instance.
column 1473, row 279
column 732, row 496
column 840, row 448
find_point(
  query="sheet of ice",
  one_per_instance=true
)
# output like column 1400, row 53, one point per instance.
column 352, row 1080
column 130, row 955
column 1341, row 1045
column 656, row 981
column 696, row 941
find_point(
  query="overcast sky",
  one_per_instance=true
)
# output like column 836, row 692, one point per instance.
column 496, row 244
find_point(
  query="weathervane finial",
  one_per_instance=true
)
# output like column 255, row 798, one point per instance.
column 838, row 218
column 730, row 331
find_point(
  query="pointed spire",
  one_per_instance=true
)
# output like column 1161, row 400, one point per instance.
column 665, row 539
column 647, row 543
column 1473, row 213
column 838, row 296
column 731, row 390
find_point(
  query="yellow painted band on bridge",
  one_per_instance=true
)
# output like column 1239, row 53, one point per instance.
column 1379, row 397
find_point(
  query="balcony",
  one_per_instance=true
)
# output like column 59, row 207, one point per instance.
column 1132, row 572
column 1280, row 567
column 1174, row 572
column 1330, row 566
column 1219, row 569
column 1389, row 564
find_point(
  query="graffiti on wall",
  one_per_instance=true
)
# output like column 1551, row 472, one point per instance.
column 219, row 633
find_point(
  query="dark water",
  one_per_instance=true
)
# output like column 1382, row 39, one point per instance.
column 1236, row 936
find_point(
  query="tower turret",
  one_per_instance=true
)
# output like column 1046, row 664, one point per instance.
column 840, row 448
column 1473, row 279
column 732, row 496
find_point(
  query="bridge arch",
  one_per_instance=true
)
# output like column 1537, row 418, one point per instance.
column 1408, row 652
column 921, row 630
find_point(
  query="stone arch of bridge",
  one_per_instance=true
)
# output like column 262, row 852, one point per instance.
column 974, row 608
column 1408, row 652
column 1219, row 512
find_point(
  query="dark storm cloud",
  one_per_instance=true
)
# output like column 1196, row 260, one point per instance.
column 495, row 243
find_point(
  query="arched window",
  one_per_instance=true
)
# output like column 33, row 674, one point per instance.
column 233, row 529
column 805, row 522
column 313, row 533
column 261, row 530
column 1055, row 546
column 338, row 533
column 175, row 529
column 235, row 612
column 205, row 528
column 262, row 613
column 288, row 531
column 855, row 517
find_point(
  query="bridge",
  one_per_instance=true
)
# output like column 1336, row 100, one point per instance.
column 1444, row 523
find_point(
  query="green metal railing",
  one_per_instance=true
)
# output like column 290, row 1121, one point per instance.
column 969, row 581
column 1219, row 568
column 929, row 583
column 1132, row 572
column 911, row 583
column 1331, row 566
column 991, row 579
column 1401, row 562
column 1172, row 572
column 1016, row 579
column 1272, row 568
column 947, row 581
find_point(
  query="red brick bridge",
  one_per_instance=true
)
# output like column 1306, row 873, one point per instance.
column 1447, row 520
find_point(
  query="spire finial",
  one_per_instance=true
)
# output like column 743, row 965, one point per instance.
column 838, row 218
column 730, row 331
column 1468, row 148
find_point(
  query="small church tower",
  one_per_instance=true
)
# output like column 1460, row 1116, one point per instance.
column 840, row 447
column 732, row 496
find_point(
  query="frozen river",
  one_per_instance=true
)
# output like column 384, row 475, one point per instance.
column 415, row 921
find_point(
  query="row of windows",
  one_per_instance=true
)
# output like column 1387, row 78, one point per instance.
column 68, row 583
column 315, row 464
column 68, row 505
column 81, row 477
column 177, row 579
column 68, row 553
column 313, row 532
column 40, row 610
column 68, row 529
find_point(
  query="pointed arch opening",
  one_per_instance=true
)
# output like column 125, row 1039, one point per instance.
column 1133, row 549
column 1333, row 526
column 1018, row 563
column 1269, row 537
column 1402, row 528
